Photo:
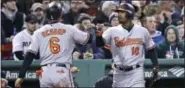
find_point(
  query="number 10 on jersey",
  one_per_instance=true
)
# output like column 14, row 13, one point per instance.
column 135, row 51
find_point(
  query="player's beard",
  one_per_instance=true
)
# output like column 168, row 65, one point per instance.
column 123, row 22
column 126, row 24
column 31, row 30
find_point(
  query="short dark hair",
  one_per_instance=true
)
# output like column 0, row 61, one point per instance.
column 5, row 1
column 31, row 18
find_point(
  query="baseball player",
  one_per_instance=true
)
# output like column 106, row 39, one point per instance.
column 22, row 40
column 128, row 45
column 54, row 42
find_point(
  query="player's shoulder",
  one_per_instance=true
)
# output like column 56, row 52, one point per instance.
column 115, row 27
column 70, row 27
column 112, row 28
column 66, row 26
column 41, row 29
column 21, row 33
column 140, row 28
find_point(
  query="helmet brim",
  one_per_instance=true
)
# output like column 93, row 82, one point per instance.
column 120, row 10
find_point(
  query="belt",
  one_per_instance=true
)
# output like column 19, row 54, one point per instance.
column 126, row 68
column 58, row 65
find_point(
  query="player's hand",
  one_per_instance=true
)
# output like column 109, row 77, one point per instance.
column 87, row 26
column 155, row 75
column 93, row 25
column 18, row 82
column 74, row 69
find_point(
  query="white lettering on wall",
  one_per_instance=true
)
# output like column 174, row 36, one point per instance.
column 161, row 73
column 14, row 75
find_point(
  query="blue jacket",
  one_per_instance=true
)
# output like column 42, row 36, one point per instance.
column 157, row 37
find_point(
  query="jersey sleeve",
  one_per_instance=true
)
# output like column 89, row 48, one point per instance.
column 34, row 46
column 80, row 36
column 149, row 43
column 17, row 44
column 107, row 36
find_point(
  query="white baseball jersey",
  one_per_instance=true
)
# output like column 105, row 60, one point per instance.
column 128, row 48
column 21, row 42
column 55, row 42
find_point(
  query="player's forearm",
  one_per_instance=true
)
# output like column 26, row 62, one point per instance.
column 19, row 55
column 26, row 63
column 153, row 56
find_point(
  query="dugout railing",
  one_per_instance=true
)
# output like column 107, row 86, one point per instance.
column 92, row 70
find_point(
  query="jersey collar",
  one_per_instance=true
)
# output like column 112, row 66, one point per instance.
column 128, row 32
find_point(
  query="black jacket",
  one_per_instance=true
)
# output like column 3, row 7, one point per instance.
column 72, row 17
column 3, row 38
column 9, row 26
column 101, row 18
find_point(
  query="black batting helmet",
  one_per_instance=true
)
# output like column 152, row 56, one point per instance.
column 54, row 11
column 129, row 8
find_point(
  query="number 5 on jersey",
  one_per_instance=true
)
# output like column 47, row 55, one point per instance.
column 54, row 47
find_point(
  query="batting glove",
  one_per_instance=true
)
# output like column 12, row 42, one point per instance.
column 155, row 73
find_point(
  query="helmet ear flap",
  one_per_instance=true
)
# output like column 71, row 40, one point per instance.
column 128, row 15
